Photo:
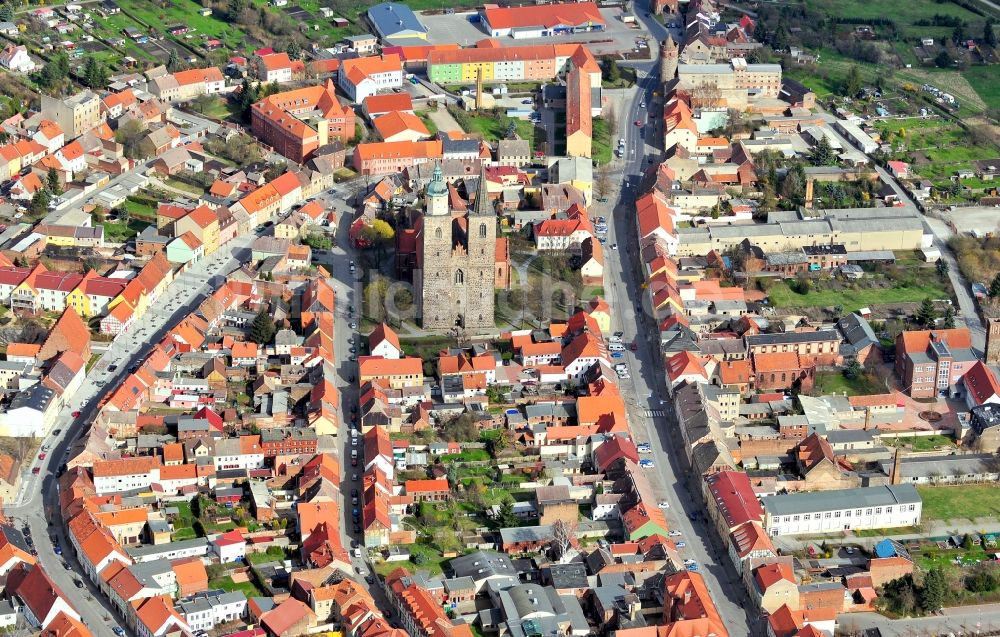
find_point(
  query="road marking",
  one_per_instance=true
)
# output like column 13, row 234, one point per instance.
column 654, row 413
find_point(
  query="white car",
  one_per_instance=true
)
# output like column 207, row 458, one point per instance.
column 675, row 534
column 663, row 505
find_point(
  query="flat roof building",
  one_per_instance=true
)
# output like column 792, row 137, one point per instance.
column 880, row 507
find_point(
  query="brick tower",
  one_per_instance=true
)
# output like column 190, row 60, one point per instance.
column 668, row 59
column 455, row 278
column 992, row 339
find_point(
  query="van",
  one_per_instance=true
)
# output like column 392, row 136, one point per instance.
column 354, row 454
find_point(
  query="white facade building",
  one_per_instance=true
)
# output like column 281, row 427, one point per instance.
column 204, row 610
column 880, row 507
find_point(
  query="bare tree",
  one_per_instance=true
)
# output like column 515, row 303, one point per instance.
column 603, row 183
column 562, row 536
column 611, row 117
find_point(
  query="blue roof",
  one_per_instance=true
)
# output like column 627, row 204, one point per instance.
column 392, row 18
column 890, row 548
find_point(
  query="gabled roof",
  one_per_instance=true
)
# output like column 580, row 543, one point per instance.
column 35, row 589
column 981, row 384
column 768, row 575
column 383, row 332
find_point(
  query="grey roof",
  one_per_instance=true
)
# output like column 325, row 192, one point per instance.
column 573, row 575
column 844, row 436
column 513, row 148
column 857, row 331
column 458, row 584
column 985, row 417
column 871, row 255
column 944, row 465
column 840, row 499
column 37, row 397
column 156, row 549
column 481, row 565
column 15, row 537
column 451, row 146
column 393, row 19
column 526, row 534
column 792, row 337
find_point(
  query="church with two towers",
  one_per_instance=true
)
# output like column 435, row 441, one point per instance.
column 456, row 260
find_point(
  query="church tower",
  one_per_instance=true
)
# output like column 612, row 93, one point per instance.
column 992, row 339
column 481, row 262
column 456, row 278
column 668, row 59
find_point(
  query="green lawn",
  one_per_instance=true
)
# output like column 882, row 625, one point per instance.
column 469, row 455
column 218, row 108
column 428, row 122
column 921, row 443
column 984, row 80
column 272, row 554
column 182, row 185
column 117, row 232
column 227, row 584
column 780, row 295
column 429, row 560
column 140, row 209
column 960, row 502
column 905, row 13
column 601, row 151
column 92, row 361
column 836, row 383
column 183, row 533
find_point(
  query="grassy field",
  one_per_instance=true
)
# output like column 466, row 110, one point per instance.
column 782, row 296
column 984, row 80
column 836, row 383
column 905, row 13
column 117, row 232
column 960, row 502
column 430, row 560
column 227, row 584
column 921, row 443
column 601, row 151
column 140, row 209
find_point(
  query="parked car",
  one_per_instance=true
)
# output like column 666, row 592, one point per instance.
column 646, row 463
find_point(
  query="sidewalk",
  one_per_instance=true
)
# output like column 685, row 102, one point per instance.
column 932, row 529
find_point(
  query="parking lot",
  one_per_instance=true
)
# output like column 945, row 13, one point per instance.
column 616, row 38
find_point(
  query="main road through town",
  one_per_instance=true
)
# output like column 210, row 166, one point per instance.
column 37, row 503
column 651, row 413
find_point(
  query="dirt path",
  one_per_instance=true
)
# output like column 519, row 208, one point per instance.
column 444, row 121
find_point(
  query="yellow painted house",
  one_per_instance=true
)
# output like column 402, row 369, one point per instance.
column 203, row 223
column 78, row 300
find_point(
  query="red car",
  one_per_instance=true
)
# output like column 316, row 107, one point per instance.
column 41, row 456
column 354, row 462
column 36, row 471
column 638, row 122
column 76, row 414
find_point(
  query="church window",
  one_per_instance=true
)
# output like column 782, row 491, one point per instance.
column 437, row 233
column 459, row 277
column 482, row 230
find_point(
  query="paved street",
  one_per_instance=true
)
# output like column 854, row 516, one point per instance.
column 37, row 501
column 643, row 391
